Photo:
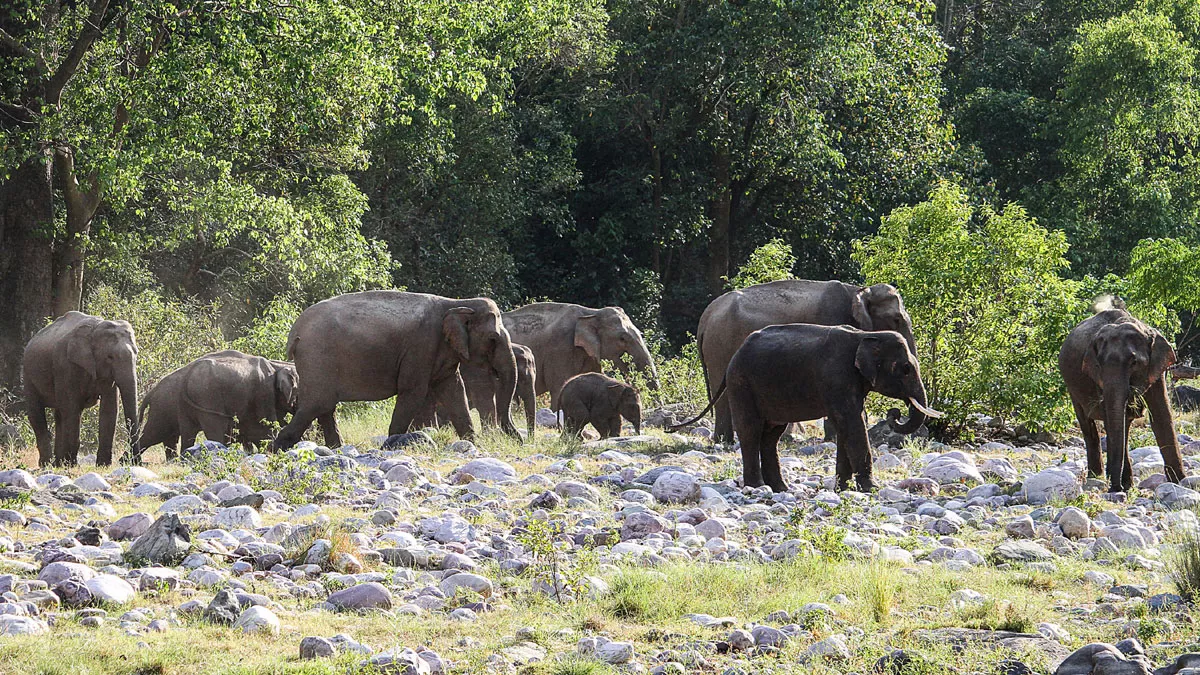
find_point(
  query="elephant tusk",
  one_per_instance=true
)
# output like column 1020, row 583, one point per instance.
column 929, row 412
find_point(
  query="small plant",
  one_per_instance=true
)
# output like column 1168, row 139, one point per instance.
column 297, row 476
column 1183, row 565
column 564, row 575
column 15, row 502
column 1152, row 630
column 996, row 615
column 879, row 591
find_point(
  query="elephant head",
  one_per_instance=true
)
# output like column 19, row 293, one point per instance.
column 283, row 389
column 626, row 401
column 890, row 368
column 880, row 307
column 107, row 352
column 608, row 334
column 477, row 335
column 1124, row 359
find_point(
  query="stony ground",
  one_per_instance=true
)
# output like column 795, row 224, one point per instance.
column 422, row 554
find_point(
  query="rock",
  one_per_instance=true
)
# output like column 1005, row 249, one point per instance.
column 547, row 500
column 111, row 589
column 399, row 441
column 447, row 529
column 57, row 572
column 92, row 482
column 1020, row 528
column 22, row 625
column 182, row 504
column 1074, row 523
column 1175, row 497
column 1102, row 659
column 155, row 578
column 237, row 517
column 832, row 647
column 18, row 478
column 488, row 468
column 615, row 652
column 473, row 582
column 166, row 542
column 315, row 648
column 1020, row 552
column 257, row 619
column 996, row 639
column 999, row 468
column 740, row 640
column 224, row 608
column 405, row 662
column 573, row 488
column 639, row 525
column 524, row 653
column 676, row 487
column 955, row 466
column 370, row 595
column 766, row 636
column 1050, row 484
column 252, row 500
column 545, row 417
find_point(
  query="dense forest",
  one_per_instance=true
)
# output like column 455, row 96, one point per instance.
column 248, row 155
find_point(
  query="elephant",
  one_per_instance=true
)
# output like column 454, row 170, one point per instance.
column 213, row 394
column 1113, row 367
column 69, row 365
column 1185, row 398
column 481, row 387
column 600, row 400
column 729, row 319
column 798, row 372
column 373, row 345
column 569, row 340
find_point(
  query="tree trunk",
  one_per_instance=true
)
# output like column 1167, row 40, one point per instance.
column 69, row 253
column 26, row 236
column 718, row 229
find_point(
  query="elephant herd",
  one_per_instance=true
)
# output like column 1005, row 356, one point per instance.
column 773, row 354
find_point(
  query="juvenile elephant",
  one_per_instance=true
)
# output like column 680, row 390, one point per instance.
column 799, row 372
column 568, row 340
column 215, row 393
column 70, row 364
column 1113, row 367
column 481, row 384
column 373, row 345
column 600, row 400
column 729, row 319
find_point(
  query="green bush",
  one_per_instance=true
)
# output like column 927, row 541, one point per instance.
column 772, row 261
column 267, row 335
column 989, row 307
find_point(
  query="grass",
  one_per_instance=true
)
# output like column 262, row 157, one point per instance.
column 1183, row 565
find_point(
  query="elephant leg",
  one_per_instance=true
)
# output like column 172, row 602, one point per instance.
column 1091, row 442
column 769, row 448
column 614, row 426
column 452, row 397
column 1163, row 425
column 750, row 430
column 108, row 427
column 66, row 442
column 305, row 414
column 844, row 471
column 853, row 443
column 830, row 431
column 1127, row 464
column 724, row 420
column 481, row 394
column 329, row 429
column 41, row 431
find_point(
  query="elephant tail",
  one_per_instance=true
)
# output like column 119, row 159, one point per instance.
column 703, row 365
column 713, row 401
column 187, row 398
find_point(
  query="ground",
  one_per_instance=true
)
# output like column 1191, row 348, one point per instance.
column 856, row 575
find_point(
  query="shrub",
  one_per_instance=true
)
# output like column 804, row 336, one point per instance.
column 773, row 261
column 267, row 335
column 1184, row 565
column 989, row 308
column 680, row 378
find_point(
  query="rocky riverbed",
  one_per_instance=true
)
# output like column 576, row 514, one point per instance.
column 423, row 554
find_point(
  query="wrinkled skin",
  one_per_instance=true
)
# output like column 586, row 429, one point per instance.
column 729, row 319
column 71, row 364
column 373, row 345
column 569, row 340
column 599, row 400
column 215, row 393
column 481, row 385
column 799, row 372
column 1113, row 367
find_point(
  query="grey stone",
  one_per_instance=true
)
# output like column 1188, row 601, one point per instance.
column 315, row 648
column 165, row 543
column 257, row 619
column 676, row 487
column 370, row 595
column 224, row 608
column 1020, row 551
column 1102, row 659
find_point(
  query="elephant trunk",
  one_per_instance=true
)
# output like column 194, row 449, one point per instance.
column 504, row 365
column 918, row 412
column 529, row 401
column 127, row 387
column 1116, row 403
column 906, row 331
column 645, row 363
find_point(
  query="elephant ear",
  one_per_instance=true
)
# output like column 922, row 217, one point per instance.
column 587, row 335
column 80, row 349
column 858, row 308
column 283, row 392
column 454, row 327
column 866, row 359
column 1162, row 356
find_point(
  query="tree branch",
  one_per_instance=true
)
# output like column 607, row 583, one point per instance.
column 87, row 37
column 17, row 46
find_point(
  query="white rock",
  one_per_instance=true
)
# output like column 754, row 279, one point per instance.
column 952, row 467
column 92, row 482
column 1074, row 523
column 832, row 647
column 257, row 619
column 447, row 529
column 676, row 487
column 473, row 582
column 489, row 468
column 110, row 588
column 1050, row 484
column 235, row 517
column 965, row 597
column 615, row 652
column 18, row 478
column 22, row 625
column 182, row 504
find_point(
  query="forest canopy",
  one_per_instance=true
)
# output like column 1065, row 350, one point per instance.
column 249, row 157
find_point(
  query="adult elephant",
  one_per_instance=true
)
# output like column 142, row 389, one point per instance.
column 482, row 386
column 373, row 345
column 798, row 372
column 729, row 319
column 216, row 393
column 1113, row 367
column 569, row 340
column 69, row 365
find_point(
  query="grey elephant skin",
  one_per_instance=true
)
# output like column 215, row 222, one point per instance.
column 1113, row 367
column 798, row 372
column 373, row 345
column 731, row 318
column 569, row 340
column 71, row 364
column 482, row 383
column 599, row 400
column 217, row 393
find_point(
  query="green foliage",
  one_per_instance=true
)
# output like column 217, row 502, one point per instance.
column 1164, row 280
column 563, row 574
column 267, row 335
column 1183, row 565
column 773, row 261
column 296, row 475
column 992, row 614
column 989, row 308
column 680, row 378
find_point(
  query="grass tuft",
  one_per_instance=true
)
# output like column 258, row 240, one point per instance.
column 1184, row 565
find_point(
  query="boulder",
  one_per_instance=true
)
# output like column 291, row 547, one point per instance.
column 111, row 589
column 237, row 517
column 257, row 619
column 370, row 595
column 488, row 468
column 676, row 487
column 1100, row 658
column 1020, row 552
column 165, row 543
column 955, row 466
column 224, row 608
column 1050, row 484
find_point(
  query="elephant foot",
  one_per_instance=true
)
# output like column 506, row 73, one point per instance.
column 843, row 483
column 1116, row 496
column 779, row 487
column 752, row 482
column 865, row 484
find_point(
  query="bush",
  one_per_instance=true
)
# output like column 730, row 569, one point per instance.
column 989, row 308
column 680, row 378
column 1184, row 565
column 773, row 261
column 267, row 335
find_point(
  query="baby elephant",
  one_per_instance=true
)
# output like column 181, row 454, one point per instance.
column 215, row 393
column 600, row 400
